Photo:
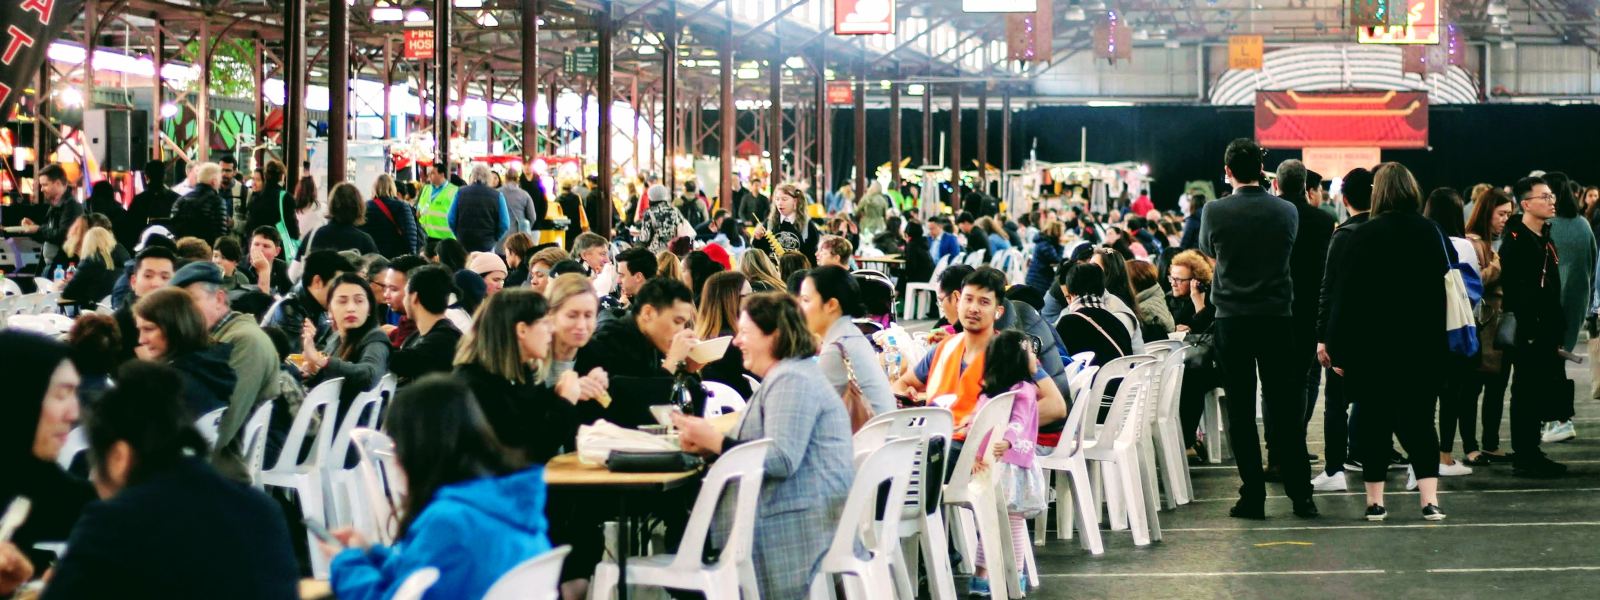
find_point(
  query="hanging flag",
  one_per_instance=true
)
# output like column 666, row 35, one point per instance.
column 1029, row 35
column 1414, row 59
column 1244, row 52
column 29, row 26
column 1112, row 39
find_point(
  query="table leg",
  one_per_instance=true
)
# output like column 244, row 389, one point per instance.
column 625, row 538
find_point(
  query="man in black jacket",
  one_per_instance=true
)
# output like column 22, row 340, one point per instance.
column 645, row 352
column 64, row 209
column 1252, row 235
column 432, row 347
column 155, row 202
column 1306, row 266
column 1337, row 426
column 201, row 213
column 1532, row 284
column 309, row 300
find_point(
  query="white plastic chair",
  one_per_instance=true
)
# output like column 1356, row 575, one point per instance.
column 1070, row 460
column 416, row 584
column 911, row 306
column 1168, row 433
column 305, row 478
column 1115, row 454
column 870, row 578
column 538, row 578
column 755, row 384
column 722, row 399
column 385, row 390
column 77, row 442
column 1215, row 423
column 8, row 287
column 922, row 519
column 337, row 478
column 208, row 424
column 734, row 570
column 253, row 441
column 981, row 495
column 974, row 259
column 376, row 490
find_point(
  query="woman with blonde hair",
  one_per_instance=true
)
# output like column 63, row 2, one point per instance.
column 539, row 267
column 99, row 260
column 763, row 275
column 788, row 224
column 574, row 310
column 718, row 316
column 667, row 265
column 390, row 221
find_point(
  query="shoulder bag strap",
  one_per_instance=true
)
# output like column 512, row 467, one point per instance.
column 383, row 206
column 1102, row 331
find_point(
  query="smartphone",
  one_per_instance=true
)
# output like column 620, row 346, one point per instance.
column 322, row 533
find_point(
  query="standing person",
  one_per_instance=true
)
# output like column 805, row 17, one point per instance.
column 661, row 223
column 1490, row 214
column 251, row 355
column 346, row 213
column 435, row 203
column 1046, row 255
column 756, row 206
column 63, row 212
column 309, row 210
column 1252, row 233
column 1306, row 266
column 390, row 222
column 1530, row 276
column 690, row 205
column 234, row 193
column 473, row 511
column 155, row 202
column 479, row 217
column 39, row 409
column 571, row 208
column 1575, row 245
column 918, row 261
column 431, row 348
column 163, row 509
column 830, row 299
column 103, row 200
column 1339, row 436
column 1456, row 408
column 1388, row 336
column 788, row 224
column 872, row 210
column 519, row 203
column 272, row 206
column 357, row 350
column 808, row 471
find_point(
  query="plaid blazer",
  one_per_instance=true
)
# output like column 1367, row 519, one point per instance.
column 808, row 474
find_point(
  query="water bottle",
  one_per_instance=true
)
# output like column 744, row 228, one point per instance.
column 72, row 270
column 60, row 274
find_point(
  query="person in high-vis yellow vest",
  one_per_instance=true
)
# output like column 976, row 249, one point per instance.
column 434, row 202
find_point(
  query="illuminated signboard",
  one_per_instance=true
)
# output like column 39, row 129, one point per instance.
column 863, row 17
column 1423, row 27
column 1290, row 119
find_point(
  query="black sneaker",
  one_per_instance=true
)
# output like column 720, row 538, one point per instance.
column 1541, row 468
column 1430, row 512
column 1245, row 509
column 1399, row 462
column 1352, row 465
column 1376, row 513
column 1306, row 509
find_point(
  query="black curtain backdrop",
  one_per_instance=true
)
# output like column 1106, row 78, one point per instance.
column 1490, row 143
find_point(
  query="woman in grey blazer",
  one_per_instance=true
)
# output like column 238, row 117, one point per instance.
column 829, row 298
column 809, row 470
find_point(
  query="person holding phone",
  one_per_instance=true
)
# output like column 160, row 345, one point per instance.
column 472, row 511
column 168, row 523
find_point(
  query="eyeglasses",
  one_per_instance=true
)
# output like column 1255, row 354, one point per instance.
column 1541, row 197
column 1176, row 279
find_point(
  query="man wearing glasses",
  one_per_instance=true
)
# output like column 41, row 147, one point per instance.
column 1531, row 280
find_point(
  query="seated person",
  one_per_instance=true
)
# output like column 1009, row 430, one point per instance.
column 309, row 300
column 646, row 353
column 472, row 511
column 39, row 409
column 153, row 267
column 226, row 253
column 432, row 346
column 355, row 350
column 1087, row 326
column 265, row 267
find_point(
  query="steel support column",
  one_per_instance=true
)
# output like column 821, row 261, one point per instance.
column 894, row 135
column 294, row 93
column 859, row 117
column 775, row 118
column 530, row 79
column 983, row 138
column 338, row 92
column 955, row 146
column 91, row 22
column 1005, row 145
column 158, row 58
column 388, row 85
column 726, row 113
column 202, row 101
column 601, row 223
column 488, row 118
column 441, row 81
column 927, row 125
column 669, row 96
column 550, row 137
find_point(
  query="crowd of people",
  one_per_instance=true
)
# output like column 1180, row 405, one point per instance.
column 503, row 347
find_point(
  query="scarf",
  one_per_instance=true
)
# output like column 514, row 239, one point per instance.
column 947, row 377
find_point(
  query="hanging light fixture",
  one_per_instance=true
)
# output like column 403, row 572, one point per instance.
column 487, row 19
column 418, row 13
column 384, row 12
column 468, row 3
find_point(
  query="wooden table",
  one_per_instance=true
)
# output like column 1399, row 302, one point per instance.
column 881, row 264
column 566, row 471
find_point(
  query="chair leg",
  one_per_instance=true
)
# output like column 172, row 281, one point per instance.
column 1152, row 493
column 1213, row 425
column 996, row 541
column 748, row 584
column 1089, row 530
column 1111, row 476
column 966, row 537
column 1064, row 505
column 935, row 552
column 1127, row 463
column 901, row 573
column 603, row 586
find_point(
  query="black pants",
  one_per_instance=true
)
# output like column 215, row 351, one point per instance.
column 1303, row 351
column 1248, row 343
column 1394, row 403
column 1458, row 405
column 1493, row 384
column 1338, row 425
column 1192, row 401
column 1537, row 373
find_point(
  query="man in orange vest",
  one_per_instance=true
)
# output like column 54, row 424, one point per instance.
column 955, row 365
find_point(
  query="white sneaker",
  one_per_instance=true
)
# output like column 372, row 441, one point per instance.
column 1411, row 479
column 1324, row 482
column 1455, row 469
column 1559, row 432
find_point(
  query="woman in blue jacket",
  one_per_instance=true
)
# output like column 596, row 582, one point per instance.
column 470, row 512
column 1046, row 255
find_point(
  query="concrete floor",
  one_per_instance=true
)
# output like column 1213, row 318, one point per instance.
column 1506, row 537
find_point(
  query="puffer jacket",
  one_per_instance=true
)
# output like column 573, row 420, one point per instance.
column 199, row 214
column 1155, row 319
column 208, row 380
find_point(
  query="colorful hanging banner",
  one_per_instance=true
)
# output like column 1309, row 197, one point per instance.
column 1112, row 39
column 863, row 17
column 1028, row 36
column 1342, row 119
column 27, row 28
column 1244, row 52
column 1421, row 26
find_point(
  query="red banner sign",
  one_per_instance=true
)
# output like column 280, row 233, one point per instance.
column 841, row 92
column 419, row 44
column 26, row 32
column 1422, row 25
column 863, row 17
column 1342, row 119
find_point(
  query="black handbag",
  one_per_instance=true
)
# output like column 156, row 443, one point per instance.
column 1506, row 336
column 629, row 461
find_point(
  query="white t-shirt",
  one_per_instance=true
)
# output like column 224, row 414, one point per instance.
column 1467, row 254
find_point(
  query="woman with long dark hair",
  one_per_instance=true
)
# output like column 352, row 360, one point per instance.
column 919, row 261
column 471, row 510
column 1119, row 296
column 830, row 298
column 1490, row 213
column 308, row 209
column 718, row 315
column 357, row 351
column 1456, row 407
column 168, row 520
column 1388, row 340
column 171, row 330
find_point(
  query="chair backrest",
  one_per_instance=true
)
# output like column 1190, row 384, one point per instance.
column 745, row 466
column 1127, row 415
column 1171, row 383
column 884, row 465
column 990, row 417
column 208, row 424
column 975, row 259
column 320, row 402
column 939, row 267
column 253, row 439
column 934, row 427
column 416, row 584
column 755, row 384
column 943, row 401
column 77, row 442
column 386, row 389
column 374, row 493
column 1086, row 405
column 722, row 399
column 1077, row 363
column 1081, row 382
column 339, row 449
column 537, row 578
column 9, row 287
